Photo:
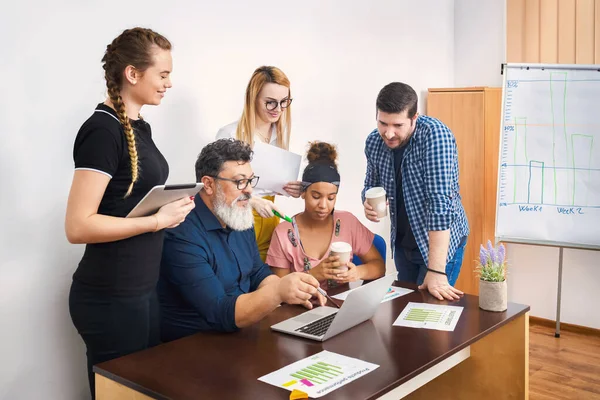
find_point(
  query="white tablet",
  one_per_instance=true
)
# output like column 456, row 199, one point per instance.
column 160, row 195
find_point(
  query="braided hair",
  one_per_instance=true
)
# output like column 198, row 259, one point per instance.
column 132, row 47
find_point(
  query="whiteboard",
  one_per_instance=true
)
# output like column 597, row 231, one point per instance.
column 549, row 164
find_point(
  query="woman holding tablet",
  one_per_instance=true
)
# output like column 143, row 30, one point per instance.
column 306, row 243
column 266, row 118
column 112, row 299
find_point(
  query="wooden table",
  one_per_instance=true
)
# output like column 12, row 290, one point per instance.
column 485, row 357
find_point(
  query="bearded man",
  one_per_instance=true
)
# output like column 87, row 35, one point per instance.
column 212, row 277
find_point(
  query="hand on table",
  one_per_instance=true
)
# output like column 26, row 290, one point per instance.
column 438, row 286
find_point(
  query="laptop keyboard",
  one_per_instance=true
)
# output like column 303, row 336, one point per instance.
column 318, row 327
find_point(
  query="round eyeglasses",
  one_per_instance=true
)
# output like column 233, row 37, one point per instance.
column 241, row 184
column 272, row 104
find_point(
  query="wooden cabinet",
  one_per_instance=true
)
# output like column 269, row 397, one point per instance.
column 473, row 114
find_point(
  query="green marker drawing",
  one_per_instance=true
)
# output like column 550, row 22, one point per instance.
column 589, row 161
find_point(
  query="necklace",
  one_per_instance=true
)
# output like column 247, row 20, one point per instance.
column 263, row 138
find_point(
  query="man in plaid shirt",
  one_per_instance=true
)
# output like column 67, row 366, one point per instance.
column 414, row 158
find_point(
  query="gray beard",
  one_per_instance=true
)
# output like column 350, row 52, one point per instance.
column 238, row 219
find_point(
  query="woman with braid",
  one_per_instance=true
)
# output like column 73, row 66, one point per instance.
column 112, row 299
column 266, row 118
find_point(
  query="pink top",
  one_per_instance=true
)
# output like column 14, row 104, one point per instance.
column 285, row 250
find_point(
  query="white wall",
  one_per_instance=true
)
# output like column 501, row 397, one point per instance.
column 479, row 42
column 480, row 47
column 337, row 54
column 533, row 280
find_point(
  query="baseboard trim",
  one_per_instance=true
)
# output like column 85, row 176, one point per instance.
column 585, row 330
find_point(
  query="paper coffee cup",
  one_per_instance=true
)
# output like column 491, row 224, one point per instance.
column 376, row 198
column 344, row 251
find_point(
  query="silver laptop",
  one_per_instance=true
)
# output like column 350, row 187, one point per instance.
column 322, row 323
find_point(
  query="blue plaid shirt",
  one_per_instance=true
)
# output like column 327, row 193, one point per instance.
column 429, row 183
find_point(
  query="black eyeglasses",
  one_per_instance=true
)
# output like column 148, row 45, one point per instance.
column 240, row 183
column 272, row 104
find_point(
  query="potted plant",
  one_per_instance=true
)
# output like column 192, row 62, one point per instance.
column 492, row 278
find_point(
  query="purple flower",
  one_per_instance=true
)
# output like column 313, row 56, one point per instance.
column 491, row 251
column 483, row 255
column 501, row 254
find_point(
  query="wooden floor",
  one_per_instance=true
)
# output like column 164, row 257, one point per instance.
column 564, row 368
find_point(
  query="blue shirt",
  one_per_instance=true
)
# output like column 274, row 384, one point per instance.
column 429, row 183
column 204, row 269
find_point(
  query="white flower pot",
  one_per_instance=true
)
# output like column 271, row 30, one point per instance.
column 492, row 296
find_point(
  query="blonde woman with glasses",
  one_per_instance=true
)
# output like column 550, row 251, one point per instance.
column 266, row 118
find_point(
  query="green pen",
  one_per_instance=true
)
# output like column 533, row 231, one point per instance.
column 288, row 219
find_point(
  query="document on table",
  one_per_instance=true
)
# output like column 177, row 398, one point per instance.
column 274, row 166
column 429, row 316
column 392, row 293
column 319, row 374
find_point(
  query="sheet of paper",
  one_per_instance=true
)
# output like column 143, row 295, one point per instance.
column 320, row 374
column 275, row 167
column 392, row 293
column 429, row 316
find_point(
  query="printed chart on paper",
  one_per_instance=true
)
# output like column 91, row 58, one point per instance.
column 429, row 316
column 320, row 374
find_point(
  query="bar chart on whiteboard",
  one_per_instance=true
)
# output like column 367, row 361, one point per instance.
column 549, row 167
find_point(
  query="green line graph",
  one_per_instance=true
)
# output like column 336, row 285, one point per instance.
column 548, row 187
column 534, row 164
column 517, row 124
column 564, row 114
column 589, row 161
column 545, row 130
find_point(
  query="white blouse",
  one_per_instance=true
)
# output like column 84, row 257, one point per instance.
column 228, row 131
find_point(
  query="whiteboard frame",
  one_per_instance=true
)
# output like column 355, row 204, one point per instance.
column 548, row 66
column 510, row 239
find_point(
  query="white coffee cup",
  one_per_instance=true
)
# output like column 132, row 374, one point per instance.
column 376, row 199
column 344, row 251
